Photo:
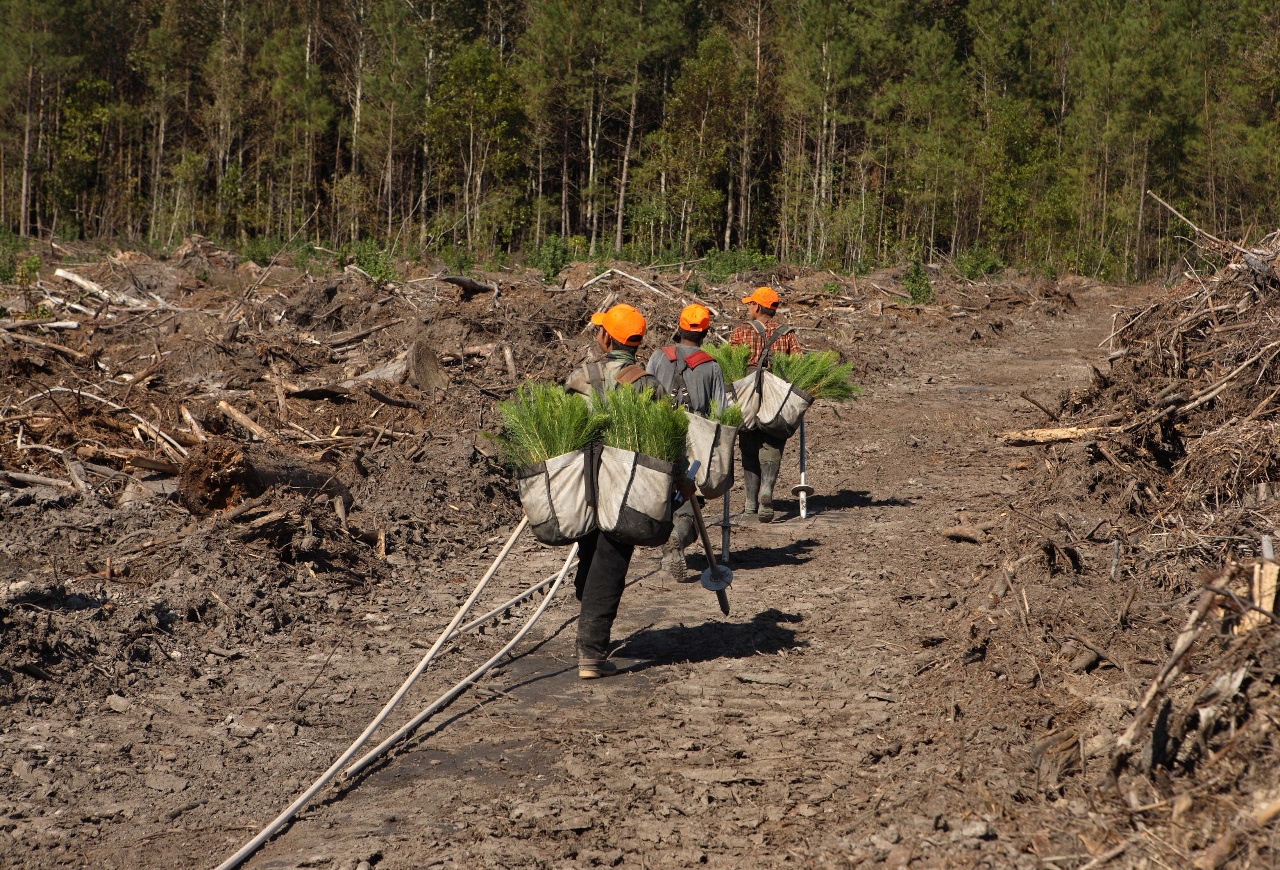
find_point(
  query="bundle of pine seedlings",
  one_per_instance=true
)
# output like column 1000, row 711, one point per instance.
column 732, row 359
column 641, row 424
column 729, row 415
column 542, row 421
column 818, row 373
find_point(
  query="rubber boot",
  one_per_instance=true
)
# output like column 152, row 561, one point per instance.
column 768, row 477
column 674, row 564
column 752, row 482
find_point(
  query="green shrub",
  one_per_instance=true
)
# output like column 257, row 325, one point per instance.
column 370, row 259
column 720, row 265
column 543, row 421
column 831, row 288
column 552, row 256
column 977, row 263
column 28, row 271
column 261, row 250
column 10, row 245
column 458, row 258
column 916, row 283
column 642, row 425
column 819, row 373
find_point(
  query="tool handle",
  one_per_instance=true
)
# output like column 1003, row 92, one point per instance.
column 802, row 451
column 702, row 533
column 693, row 471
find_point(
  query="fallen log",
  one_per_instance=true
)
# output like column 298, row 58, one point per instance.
column 1026, row 437
column 35, row 479
column 73, row 355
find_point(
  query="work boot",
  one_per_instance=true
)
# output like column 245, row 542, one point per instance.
column 768, row 477
column 594, row 669
column 674, row 564
column 751, row 480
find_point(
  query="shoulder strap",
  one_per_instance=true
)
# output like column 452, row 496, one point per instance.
column 767, row 354
column 697, row 358
column 630, row 374
column 595, row 374
column 670, row 353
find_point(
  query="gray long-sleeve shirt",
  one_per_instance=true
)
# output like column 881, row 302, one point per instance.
column 704, row 384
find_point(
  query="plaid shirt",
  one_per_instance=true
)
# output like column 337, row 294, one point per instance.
column 747, row 334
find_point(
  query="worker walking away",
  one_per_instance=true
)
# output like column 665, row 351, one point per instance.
column 761, row 452
column 602, row 561
column 692, row 378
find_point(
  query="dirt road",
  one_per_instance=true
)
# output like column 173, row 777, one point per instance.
column 867, row 700
column 801, row 729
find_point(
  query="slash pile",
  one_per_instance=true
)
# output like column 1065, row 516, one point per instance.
column 1178, row 446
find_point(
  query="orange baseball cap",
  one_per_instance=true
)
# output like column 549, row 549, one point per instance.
column 765, row 297
column 695, row 318
column 624, row 324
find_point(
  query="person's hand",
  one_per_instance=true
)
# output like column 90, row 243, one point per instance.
column 685, row 487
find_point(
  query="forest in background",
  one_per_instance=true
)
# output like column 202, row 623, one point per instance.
column 843, row 135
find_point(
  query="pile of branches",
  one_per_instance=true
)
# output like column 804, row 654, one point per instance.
column 1194, row 382
column 1182, row 433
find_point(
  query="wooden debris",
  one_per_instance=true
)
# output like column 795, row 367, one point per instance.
column 244, row 421
column 1027, row 437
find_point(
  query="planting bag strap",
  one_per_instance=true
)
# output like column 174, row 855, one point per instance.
column 630, row 374
column 680, row 392
column 595, row 374
column 766, row 355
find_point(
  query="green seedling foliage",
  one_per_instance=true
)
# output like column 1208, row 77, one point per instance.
column 641, row 424
column 732, row 359
column 729, row 415
column 916, row 283
column 819, row 373
column 543, row 421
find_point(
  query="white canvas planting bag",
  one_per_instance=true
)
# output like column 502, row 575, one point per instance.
column 634, row 497
column 770, row 404
column 710, row 444
column 559, row 496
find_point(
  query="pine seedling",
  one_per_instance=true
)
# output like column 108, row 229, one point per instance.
column 819, row 374
column 730, row 415
column 641, row 424
column 543, row 421
column 732, row 359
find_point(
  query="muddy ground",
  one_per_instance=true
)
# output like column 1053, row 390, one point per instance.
column 878, row 696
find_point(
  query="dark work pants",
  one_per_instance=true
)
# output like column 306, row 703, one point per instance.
column 602, row 575
column 759, row 447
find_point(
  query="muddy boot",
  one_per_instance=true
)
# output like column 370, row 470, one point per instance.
column 673, row 563
column 768, row 477
column 752, row 482
column 592, row 669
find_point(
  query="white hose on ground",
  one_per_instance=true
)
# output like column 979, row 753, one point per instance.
column 480, row 620
column 303, row 799
column 448, row 696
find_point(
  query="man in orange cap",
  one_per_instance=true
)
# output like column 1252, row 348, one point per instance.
column 762, row 453
column 621, row 330
column 602, row 561
column 692, row 377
